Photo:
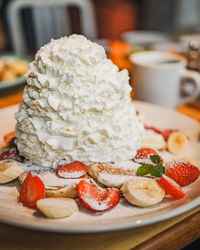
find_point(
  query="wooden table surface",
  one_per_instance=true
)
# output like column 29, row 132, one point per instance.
column 170, row 234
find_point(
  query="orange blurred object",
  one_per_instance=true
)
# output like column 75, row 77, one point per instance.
column 8, row 137
column 115, row 17
column 119, row 52
column 119, row 48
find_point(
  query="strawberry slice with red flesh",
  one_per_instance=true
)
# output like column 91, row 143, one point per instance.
column 182, row 172
column 72, row 170
column 97, row 199
column 32, row 190
column 170, row 187
column 10, row 154
column 7, row 137
column 143, row 155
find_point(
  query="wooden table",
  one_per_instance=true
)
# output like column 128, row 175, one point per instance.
column 171, row 234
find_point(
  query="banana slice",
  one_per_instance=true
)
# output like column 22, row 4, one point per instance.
column 153, row 140
column 177, row 143
column 10, row 170
column 142, row 192
column 57, row 207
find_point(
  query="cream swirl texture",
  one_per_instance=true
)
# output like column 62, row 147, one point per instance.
column 76, row 106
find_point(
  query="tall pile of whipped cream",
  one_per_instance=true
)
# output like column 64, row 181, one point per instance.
column 76, row 107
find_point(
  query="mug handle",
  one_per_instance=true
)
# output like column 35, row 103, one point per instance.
column 194, row 77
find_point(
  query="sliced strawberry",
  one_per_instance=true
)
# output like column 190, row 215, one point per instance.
column 167, row 132
column 158, row 131
column 10, row 154
column 72, row 170
column 143, row 155
column 97, row 199
column 32, row 190
column 182, row 172
column 7, row 137
column 170, row 187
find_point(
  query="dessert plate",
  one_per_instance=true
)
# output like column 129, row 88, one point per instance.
column 123, row 216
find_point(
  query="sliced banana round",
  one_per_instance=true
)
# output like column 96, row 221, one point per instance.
column 10, row 170
column 177, row 143
column 153, row 140
column 142, row 192
column 57, row 207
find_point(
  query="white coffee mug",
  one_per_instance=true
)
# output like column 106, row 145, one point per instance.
column 159, row 77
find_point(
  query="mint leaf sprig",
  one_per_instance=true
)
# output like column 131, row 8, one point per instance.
column 156, row 169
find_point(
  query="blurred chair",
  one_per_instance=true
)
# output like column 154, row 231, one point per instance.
column 50, row 19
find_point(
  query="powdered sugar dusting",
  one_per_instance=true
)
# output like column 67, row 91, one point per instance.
column 96, row 205
column 114, row 180
column 68, row 175
column 49, row 177
column 124, row 165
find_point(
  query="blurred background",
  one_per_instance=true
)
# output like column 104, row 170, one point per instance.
column 123, row 27
column 28, row 24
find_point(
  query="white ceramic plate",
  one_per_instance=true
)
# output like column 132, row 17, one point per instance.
column 123, row 216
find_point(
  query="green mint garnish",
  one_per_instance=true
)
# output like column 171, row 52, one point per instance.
column 155, row 159
column 144, row 169
column 156, row 169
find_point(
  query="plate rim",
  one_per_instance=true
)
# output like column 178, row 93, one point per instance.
column 104, row 228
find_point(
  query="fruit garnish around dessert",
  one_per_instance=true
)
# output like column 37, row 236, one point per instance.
column 72, row 170
column 177, row 143
column 10, row 170
column 97, row 199
column 174, row 140
column 164, row 132
column 32, row 190
column 55, row 186
column 182, row 172
column 143, row 155
column 167, row 132
column 10, row 153
column 157, row 170
column 170, row 187
column 142, row 192
column 56, row 208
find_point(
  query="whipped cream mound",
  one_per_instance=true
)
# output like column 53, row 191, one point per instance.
column 76, row 107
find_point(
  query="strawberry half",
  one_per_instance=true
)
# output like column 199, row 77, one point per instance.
column 170, row 187
column 32, row 190
column 11, row 153
column 72, row 170
column 143, row 155
column 7, row 137
column 97, row 199
column 182, row 172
